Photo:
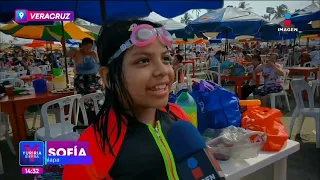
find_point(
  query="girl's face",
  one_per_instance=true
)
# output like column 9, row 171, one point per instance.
column 148, row 75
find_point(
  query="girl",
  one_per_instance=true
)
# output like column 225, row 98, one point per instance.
column 124, row 140
column 270, row 72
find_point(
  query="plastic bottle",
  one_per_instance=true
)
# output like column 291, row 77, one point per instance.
column 189, row 105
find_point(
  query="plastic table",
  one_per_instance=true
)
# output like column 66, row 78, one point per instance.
column 235, row 169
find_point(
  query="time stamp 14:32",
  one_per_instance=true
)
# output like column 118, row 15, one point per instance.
column 32, row 170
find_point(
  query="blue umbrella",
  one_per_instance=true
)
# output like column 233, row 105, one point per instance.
column 115, row 10
column 229, row 20
column 307, row 14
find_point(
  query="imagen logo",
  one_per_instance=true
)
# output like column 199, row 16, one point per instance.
column 288, row 27
column 31, row 153
column 23, row 16
column 196, row 171
column 287, row 21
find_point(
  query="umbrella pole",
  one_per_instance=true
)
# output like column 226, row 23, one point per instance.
column 103, row 10
column 225, row 46
column 185, row 50
column 294, row 45
column 65, row 53
column 52, row 57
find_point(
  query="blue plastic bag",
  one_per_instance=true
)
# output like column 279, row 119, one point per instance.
column 217, row 107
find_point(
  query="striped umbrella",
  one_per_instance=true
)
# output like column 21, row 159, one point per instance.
column 72, row 31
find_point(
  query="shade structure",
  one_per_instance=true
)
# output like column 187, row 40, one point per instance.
column 314, row 36
column 229, row 20
column 307, row 14
column 72, row 31
column 171, row 24
column 115, row 10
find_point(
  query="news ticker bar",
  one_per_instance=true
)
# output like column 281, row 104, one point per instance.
column 24, row 16
column 38, row 153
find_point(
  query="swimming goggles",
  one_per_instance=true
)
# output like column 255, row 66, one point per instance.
column 143, row 35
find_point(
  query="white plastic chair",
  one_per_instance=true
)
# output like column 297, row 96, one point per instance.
column 45, row 68
column 185, row 70
column 20, row 68
column 312, row 75
column 298, row 86
column 10, row 75
column 283, row 61
column 282, row 93
column 97, row 99
column 14, row 81
column 211, row 76
column 2, row 75
column 4, row 128
column 22, row 73
column 64, row 129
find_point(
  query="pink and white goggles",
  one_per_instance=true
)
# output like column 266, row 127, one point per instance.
column 143, row 35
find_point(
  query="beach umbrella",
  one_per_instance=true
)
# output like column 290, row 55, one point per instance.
column 72, row 31
column 96, row 11
column 307, row 14
column 228, row 20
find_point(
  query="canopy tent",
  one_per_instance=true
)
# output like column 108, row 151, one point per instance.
column 171, row 24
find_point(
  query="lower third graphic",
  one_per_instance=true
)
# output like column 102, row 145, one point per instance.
column 31, row 153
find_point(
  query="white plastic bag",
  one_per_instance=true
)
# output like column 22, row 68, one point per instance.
column 236, row 142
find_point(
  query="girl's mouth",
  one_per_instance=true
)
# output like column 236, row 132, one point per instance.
column 160, row 90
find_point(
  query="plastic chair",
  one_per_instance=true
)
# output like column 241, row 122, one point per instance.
column 2, row 75
column 20, row 68
column 10, row 75
column 63, row 130
column 298, row 86
column 185, row 70
column 22, row 73
column 283, row 61
column 45, row 68
column 14, row 81
column 4, row 128
column 273, row 96
column 96, row 98
column 211, row 76
column 312, row 75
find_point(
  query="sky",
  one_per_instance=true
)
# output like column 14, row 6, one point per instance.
column 258, row 7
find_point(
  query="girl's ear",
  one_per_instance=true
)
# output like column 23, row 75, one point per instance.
column 104, row 74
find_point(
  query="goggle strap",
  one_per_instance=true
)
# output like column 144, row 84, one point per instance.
column 128, row 44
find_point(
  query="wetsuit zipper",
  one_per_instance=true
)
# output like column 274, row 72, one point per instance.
column 165, row 151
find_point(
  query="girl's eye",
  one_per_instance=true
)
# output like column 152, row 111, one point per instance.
column 167, row 60
column 143, row 61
